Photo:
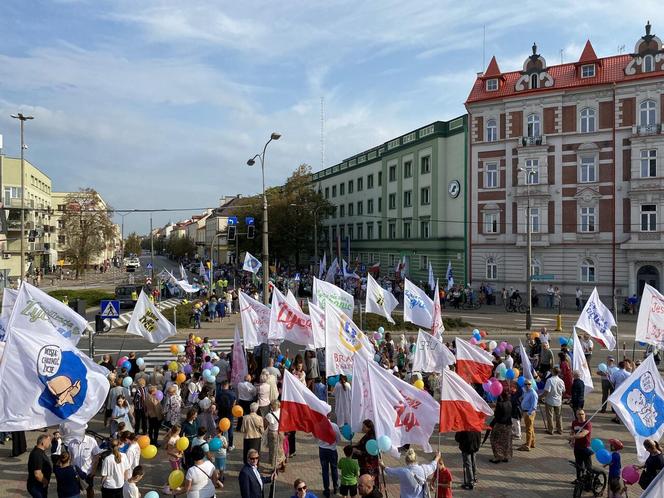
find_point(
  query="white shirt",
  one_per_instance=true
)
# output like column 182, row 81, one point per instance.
column 134, row 455
column 555, row 386
column 82, row 452
column 201, row 483
column 114, row 472
column 130, row 490
column 333, row 446
column 272, row 420
column 246, row 391
column 509, row 362
column 257, row 474
column 544, row 337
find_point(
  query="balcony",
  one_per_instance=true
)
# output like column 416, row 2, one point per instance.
column 532, row 141
column 15, row 202
column 646, row 130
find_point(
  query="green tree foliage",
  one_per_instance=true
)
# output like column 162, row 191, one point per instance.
column 179, row 247
column 132, row 244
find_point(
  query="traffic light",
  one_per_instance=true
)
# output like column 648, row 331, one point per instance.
column 99, row 323
column 231, row 232
column 251, row 231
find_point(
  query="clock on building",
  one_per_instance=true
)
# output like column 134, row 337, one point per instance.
column 454, row 189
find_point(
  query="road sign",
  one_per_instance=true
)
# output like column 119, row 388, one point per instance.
column 546, row 276
column 149, row 266
column 148, row 281
column 110, row 309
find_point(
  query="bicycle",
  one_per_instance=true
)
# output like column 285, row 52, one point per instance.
column 592, row 480
column 515, row 305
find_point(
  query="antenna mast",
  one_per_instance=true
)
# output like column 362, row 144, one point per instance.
column 322, row 133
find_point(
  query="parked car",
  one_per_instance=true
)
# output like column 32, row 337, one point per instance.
column 123, row 293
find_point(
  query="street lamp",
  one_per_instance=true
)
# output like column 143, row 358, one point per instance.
column 266, row 260
column 528, row 174
column 22, row 118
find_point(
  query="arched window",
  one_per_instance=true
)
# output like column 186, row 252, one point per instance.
column 534, row 81
column 491, row 269
column 491, row 130
column 648, row 64
column 587, row 120
column 535, row 267
column 534, row 125
column 647, row 114
column 588, row 270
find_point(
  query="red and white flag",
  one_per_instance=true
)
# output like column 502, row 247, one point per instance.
column 461, row 408
column 288, row 322
column 474, row 365
column 399, row 410
column 437, row 327
column 302, row 411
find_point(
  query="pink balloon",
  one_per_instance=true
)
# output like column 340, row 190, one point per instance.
column 509, row 348
column 496, row 389
column 159, row 395
column 122, row 360
column 630, row 474
column 473, row 341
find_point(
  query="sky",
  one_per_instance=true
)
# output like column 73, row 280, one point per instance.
column 158, row 104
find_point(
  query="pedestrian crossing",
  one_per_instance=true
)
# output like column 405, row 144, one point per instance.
column 162, row 352
column 125, row 318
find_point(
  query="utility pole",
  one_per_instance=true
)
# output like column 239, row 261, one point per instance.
column 151, row 252
column 22, row 118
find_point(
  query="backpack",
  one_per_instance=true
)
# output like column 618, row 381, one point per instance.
column 422, row 483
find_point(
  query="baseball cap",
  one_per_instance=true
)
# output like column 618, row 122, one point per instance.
column 616, row 443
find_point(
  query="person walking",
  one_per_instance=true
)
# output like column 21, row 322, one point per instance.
column 39, row 468
column 501, row 433
column 367, row 488
column 202, row 477
column 368, row 462
column 253, row 428
column 130, row 488
column 607, row 387
column 275, row 440
column 545, row 360
column 66, row 476
column 342, row 401
column 139, row 399
column 246, row 393
column 654, row 463
column 469, row 444
column 444, row 480
column 553, row 401
column 529, row 410
column 412, row 477
column 225, row 401
column 155, row 414
column 114, row 472
column 327, row 454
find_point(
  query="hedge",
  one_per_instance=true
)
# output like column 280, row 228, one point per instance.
column 92, row 297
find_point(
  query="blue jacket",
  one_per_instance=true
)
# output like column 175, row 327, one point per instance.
column 308, row 495
column 529, row 401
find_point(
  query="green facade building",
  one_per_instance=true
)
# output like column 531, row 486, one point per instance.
column 404, row 198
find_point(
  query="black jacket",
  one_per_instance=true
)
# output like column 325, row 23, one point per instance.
column 249, row 485
column 503, row 413
column 578, row 392
column 469, row 441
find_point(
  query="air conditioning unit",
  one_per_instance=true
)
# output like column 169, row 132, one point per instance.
column 6, row 255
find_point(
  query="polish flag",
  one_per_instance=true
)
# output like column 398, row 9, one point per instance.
column 474, row 365
column 302, row 411
column 461, row 408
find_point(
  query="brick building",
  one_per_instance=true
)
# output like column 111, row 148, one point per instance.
column 583, row 141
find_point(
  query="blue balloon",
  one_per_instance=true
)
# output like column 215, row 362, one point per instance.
column 381, row 330
column 280, row 358
column 476, row 331
column 126, row 365
column 642, row 343
column 597, row 444
column 349, row 377
column 332, row 381
column 205, row 447
column 372, row 447
column 603, row 456
column 384, row 443
column 140, row 362
column 346, row 432
column 602, row 367
column 509, row 375
column 151, row 494
column 127, row 382
column 521, row 381
column 562, row 341
column 215, row 444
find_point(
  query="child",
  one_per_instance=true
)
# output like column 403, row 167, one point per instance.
column 129, row 489
column 220, row 455
column 617, row 487
column 200, row 438
column 444, row 481
column 174, row 455
column 350, row 471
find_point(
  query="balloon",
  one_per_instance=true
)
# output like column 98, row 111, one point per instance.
column 483, row 333
column 492, row 345
column 516, row 373
column 207, row 365
column 477, row 336
column 215, row 343
column 349, row 378
column 127, row 382
column 280, row 358
column 205, row 447
column 381, row 330
column 180, row 348
column 597, row 444
column 287, row 364
column 174, row 349
column 562, row 341
column 501, row 368
column 143, row 441
column 602, row 367
column 182, row 443
column 180, row 378
column 475, row 331
column 206, row 372
column 215, row 444
column 372, row 447
column 215, row 370
column 377, row 336
column 603, row 456
column 419, row 383
column 237, row 411
column 173, row 366
column 332, row 381
column 509, row 375
column 473, row 341
column 224, row 424
column 347, row 432
column 509, row 348
column 384, row 443
column 198, row 340
column 175, row 479
column 536, row 335
column 630, row 474
column 159, row 395
column 521, row 381
column 210, row 379
column 140, row 362
column 151, row 494
column 126, row 365
column 496, row 389
column 121, row 360
column 487, row 386
column 149, row 452
column 187, row 369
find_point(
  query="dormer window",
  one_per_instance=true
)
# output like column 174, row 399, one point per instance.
column 648, row 64
column 588, row 71
column 534, row 80
column 492, row 85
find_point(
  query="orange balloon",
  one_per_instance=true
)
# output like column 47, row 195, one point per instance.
column 224, row 424
column 516, row 373
column 174, row 349
column 143, row 441
column 180, row 378
column 237, row 411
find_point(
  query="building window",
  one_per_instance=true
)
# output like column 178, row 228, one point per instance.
column 425, row 229
column 534, row 81
column 406, row 229
column 342, row 188
column 491, row 130
column 534, row 220
column 342, row 211
column 370, row 206
column 407, row 198
column 360, row 184
column 588, row 71
column 360, row 208
column 392, row 201
column 15, row 193
column 350, row 209
column 392, row 230
column 532, row 172
column 490, row 222
column 648, row 64
column 491, row 175
column 647, row 115
column 369, row 181
column 380, row 178
column 587, row 120
column 379, row 224
column 407, row 169
column 533, row 125
column 350, row 232
column 393, row 173
column 588, row 171
column 350, row 186
column 424, row 262
column 359, row 231
column 334, row 190
column 491, row 269
column 370, row 226
column 648, row 163
column 334, row 233
column 327, row 192
column 648, row 218
column 342, row 232
column 492, row 85
column 380, row 204
column 587, row 219
column 425, row 165
column 535, row 267
column 425, row 198
column 587, row 270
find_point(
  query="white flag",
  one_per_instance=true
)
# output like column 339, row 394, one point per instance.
column 379, row 300
column 289, row 323
column 292, row 300
column 418, row 307
column 147, row 321
column 431, row 355
column 239, row 365
column 183, row 274
column 346, row 274
column 41, row 306
column 317, row 324
column 251, row 264
column 432, row 280
column 525, row 363
column 332, row 271
column 255, row 318
column 580, row 364
column 399, row 410
column 344, row 341
column 596, row 320
column 325, row 292
column 322, row 266
column 639, row 402
column 437, row 326
column 8, row 300
column 45, row 378
column 449, row 275
column 656, row 488
column 650, row 325
column 203, row 271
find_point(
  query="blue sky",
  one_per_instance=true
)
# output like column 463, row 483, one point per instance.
column 158, row 104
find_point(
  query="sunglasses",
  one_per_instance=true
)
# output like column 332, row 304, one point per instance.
column 252, row 458
column 302, row 488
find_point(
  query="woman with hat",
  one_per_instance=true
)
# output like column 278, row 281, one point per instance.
column 617, row 487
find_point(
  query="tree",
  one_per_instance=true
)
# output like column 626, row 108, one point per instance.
column 87, row 227
column 179, row 247
column 132, row 244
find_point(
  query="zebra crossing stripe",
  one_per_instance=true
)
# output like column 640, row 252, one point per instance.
column 125, row 318
column 162, row 353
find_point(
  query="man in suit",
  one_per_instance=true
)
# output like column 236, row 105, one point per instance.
column 251, row 481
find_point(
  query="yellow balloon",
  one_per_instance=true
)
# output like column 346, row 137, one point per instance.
column 143, row 441
column 149, row 452
column 175, row 479
column 237, row 411
column 419, row 384
column 516, row 373
column 198, row 340
column 182, row 444
column 224, row 424
column 173, row 366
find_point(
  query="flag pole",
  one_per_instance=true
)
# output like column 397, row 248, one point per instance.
column 382, row 473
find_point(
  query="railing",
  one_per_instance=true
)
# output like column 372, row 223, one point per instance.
column 646, row 130
column 529, row 141
column 15, row 202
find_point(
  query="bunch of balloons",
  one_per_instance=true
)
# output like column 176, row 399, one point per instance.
column 493, row 386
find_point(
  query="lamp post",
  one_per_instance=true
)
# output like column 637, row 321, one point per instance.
column 316, row 235
column 22, row 118
column 527, row 174
column 266, row 260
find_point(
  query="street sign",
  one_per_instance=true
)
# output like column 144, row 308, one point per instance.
column 149, row 266
column 148, row 281
column 546, row 276
column 110, row 308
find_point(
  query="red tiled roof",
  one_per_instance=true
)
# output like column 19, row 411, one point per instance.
column 609, row 70
column 492, row 71
column 588, row 53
